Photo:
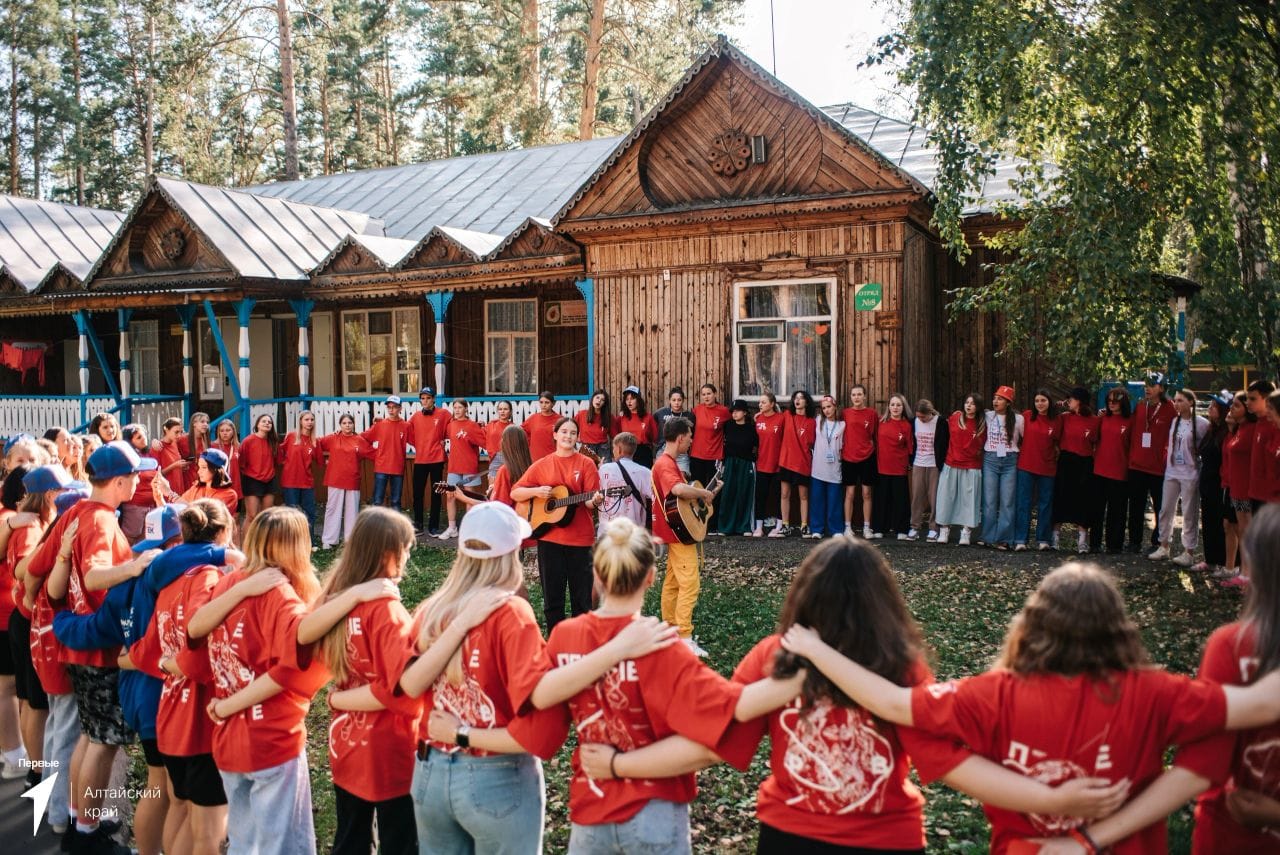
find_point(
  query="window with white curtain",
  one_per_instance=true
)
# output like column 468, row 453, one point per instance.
column 511, row 347
column 381, row 352
column 783, row 337
column 144, row 358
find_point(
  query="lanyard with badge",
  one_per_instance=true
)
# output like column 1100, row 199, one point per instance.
column 829, row 430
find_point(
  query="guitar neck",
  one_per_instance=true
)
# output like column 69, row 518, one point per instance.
column 574, row 499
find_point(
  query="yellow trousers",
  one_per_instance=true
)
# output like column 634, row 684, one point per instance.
column 680, row 587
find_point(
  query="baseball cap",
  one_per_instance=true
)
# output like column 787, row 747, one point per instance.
column 45, row 478
column 216, row 458
column 68, row 498
column 1155, row 378
column 491, row 529
column 118, row 458
column 162, row 526
column 634, row 390
column 426, row 390
column 14, row 440
column 393, row 399
column 739, row 404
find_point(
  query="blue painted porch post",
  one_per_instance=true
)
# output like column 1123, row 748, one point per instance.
column 587, row 287
column 81, row 318
column 123, row 316
column 215, row 330
column 244, row 308
column 186, row 314
column 439, row 302
column 302, row 310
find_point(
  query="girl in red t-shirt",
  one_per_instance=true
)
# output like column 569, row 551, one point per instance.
column 227, row 440
column 1236, row 457
column 769, row 424
column 1073, row 694
column 1072, row 484
column 174, row 465
column 636, row 420
column 795, row 461
column 894, row 445
column 345, row 450
column 258, row 455
column 596, row 426
column 709, row 419
column 960, row 482
column 1111, row 469
column 196, row 440
column 466, row 438
column 493, row 437
column 298, row 454
column 1037, row 468
column 838, row 776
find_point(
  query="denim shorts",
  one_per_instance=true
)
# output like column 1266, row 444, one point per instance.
column 661, row 827
column 458, row 479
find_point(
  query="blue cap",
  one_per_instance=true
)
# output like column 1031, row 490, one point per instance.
column 216, row 458
column 14, row 440
column 118, row 458
column 426, row 390
column 45, row 478
column 68, row 498
column 162, row 527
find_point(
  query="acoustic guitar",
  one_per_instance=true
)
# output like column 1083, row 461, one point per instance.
column 442, row 487
column 690, row 518
column 557, row 509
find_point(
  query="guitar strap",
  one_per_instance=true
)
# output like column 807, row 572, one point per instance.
column 648, row 511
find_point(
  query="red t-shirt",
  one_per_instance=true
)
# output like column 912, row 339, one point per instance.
column 964, row 444
column 232, row 450
column 1155, row 422
column 191, row 448
column 427, row 433
column 98, row 543
column 1111, row 458
column 894, row 442
column 466, row 438
column 1080, row 433
column 342, row 472
column 392, row 439
column 226, row 495
column 836, row 773
column 183, row 727
column 644, row 428
column 260, row 636
column 371, row 753
column 666, row 474
column 1237, row 454
column 859, row 434
column 256, row 459
column 541, row 432
column 142, row 495
column 1264, row 463
column 636, row 703
column 1040, row 439
column 1244, row 759
column 298, row 454
column 47, row 654
column 798, row 435
column 580, row 475
column 6, row 579
column 769, row 435
column 1054, row 728
column 594, row 433
column 493, row 437
column 21, row 542
column 708, row 431
column 170, row 453
column 502, row 661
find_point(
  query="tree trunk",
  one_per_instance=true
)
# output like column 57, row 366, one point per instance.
column 389, row 104
column 15, row 175
column 149, row 116
column 591, row 79
column 529, row 38
column 79, row 177
column 288, row 104
column 324, row 126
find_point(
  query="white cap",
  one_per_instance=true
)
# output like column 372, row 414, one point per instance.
column 496, row 526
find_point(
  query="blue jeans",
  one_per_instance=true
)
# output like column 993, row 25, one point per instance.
column 61, row 732
column 826, row 507
column 380, row 482
column 270, row 810
column 304, row 498
column 1043, row 487
column 659, row 827
column 465, row 804
column 999, row 477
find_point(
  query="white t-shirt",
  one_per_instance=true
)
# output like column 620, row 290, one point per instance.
column 628, row 506
column 826, row 450
column 924, row 442
column 997, row 442
column 1182, row 458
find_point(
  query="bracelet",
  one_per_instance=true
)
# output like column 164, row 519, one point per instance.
column 1079, row 835
column 613, row 773
column 62, row 557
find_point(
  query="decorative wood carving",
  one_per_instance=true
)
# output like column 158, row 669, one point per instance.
column 172, row 244
column 730, row 153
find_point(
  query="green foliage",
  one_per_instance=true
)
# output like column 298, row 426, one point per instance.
column 1144, row 128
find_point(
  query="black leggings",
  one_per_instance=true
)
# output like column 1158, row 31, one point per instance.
column 397, row 828
column 891, row 511
column 1141, row 486
column 1212, row 512
column 424, row 475
column 767, row 496
column 1112, row 502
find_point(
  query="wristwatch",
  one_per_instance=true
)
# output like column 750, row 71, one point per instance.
column 463, row 736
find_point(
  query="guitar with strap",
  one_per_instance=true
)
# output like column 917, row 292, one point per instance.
column 645, row 503
column 689, row 519
column 442, row 487
column 557, row 510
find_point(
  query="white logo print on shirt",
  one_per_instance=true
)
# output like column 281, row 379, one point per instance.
column 836, row 757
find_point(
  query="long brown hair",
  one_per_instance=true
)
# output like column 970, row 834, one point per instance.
column 845, row 591
column 1261, row 553
column 1073, row 623
column 379, row 533
column 515, row 451
column 281, row 537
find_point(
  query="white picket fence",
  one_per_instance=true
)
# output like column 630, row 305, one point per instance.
column 34, row 414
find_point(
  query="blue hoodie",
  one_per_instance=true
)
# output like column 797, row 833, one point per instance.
column 123, row 619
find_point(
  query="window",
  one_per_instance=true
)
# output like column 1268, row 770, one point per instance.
column 144, row 358
column 381, row 352
column 209, row 378
column 782, row 338
column 511, row 347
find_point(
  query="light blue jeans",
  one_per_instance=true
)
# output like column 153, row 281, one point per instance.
column 270, row 810
column 999, row 487
column 660, row 827
column 465, row 804
column 1042, row 486
column 61, row 732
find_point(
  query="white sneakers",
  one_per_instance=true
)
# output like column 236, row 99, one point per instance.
column 694, row 647
column 451, row 531
column 1184, row 560
column 866, row 532
column 965, row 533
column 912, row 534
column 944, row 534
column 779, row 530
column 848, row 530
column 1159, row 555
column 1082, row 542
column 13, row 765
column 758, row 531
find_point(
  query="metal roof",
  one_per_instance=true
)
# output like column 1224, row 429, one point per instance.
column 907, row 146
column 490, row 193
column 35, row 236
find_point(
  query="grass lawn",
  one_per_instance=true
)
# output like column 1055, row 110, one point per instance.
column 963, row 606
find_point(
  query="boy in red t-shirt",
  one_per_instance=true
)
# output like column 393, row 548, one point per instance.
column 858, row 457
column 1148, row 443
column 427, row 429
column 390, row 437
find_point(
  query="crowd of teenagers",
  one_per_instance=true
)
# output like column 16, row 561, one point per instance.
column 138, row 605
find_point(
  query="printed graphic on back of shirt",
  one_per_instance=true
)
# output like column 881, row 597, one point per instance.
column 468, row 699
column 230, row 673
column 1036, row 764
column 836, row 758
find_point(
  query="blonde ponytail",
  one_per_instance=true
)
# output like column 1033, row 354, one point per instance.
column 623, row 557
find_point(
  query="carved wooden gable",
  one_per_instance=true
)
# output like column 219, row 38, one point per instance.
column 733, row 134
column 158, row 239
column 438, row 250
column 61, row 281
column 351, row 259
column 535, row 240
